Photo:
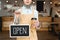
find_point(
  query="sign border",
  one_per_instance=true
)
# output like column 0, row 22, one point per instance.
column 18, row 36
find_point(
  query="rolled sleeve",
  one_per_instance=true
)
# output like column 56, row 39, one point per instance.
column 36, row 14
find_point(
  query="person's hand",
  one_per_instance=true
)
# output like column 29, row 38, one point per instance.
column 35, row 24
column 17, row 14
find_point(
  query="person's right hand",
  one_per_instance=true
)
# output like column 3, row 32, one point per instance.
column 17, row 14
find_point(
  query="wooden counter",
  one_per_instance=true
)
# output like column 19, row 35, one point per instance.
column 45, row 22
column 6, row 21
column 45, row 19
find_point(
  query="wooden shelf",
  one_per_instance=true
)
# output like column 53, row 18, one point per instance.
column 45, row 19
column 44, row 23
column 6, row 21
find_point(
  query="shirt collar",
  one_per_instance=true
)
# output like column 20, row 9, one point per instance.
column 24, row 7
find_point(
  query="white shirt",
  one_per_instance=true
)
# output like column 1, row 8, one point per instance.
column 25, row 10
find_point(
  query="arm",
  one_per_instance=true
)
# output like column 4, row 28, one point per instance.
column 16, row 16
column 36, row 22
column 58, row 14
column 36, row 14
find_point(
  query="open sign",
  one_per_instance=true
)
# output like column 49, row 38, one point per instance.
column 21, row 30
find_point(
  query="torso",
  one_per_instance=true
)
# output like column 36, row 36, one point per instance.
column 26, row 19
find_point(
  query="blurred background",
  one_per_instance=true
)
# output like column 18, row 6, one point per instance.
column 49, row 18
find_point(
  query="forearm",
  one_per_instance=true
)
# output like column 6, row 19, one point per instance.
column 58, row 14
column 16, row 20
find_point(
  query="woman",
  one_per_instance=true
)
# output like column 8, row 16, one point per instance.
column 24, row 16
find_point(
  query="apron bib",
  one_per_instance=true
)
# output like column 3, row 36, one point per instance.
column 26, row 19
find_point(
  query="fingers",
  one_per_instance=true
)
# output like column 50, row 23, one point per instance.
column 17, row 14
column 35, row 24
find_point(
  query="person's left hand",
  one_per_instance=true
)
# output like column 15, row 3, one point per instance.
column 35, row 24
